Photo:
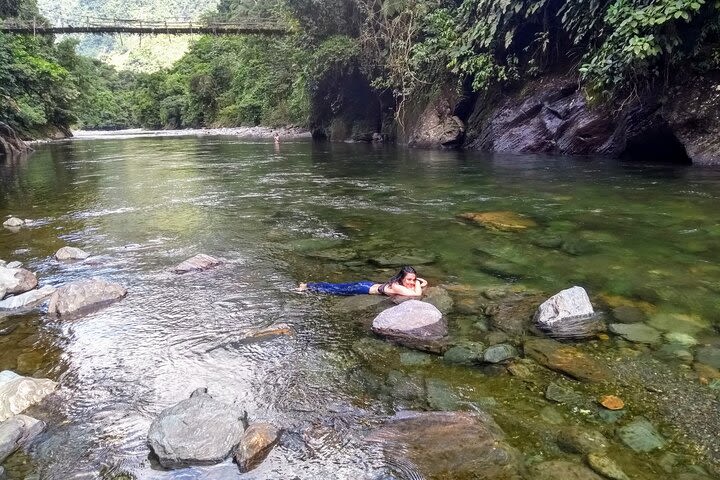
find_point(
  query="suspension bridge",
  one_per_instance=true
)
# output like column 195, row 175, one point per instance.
column 101, row 25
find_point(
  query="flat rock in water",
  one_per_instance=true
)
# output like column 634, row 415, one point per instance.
column 502, row 221
column 448, row 445
column 568, row 304
column 709, row 356
column 359, row 303
column 564, row 394
column 439, row 297
column 679, row 322
column 636, row 332
column 513, row 313
column 628, row 314
column 197, row 263
column 84, row 294
column 641, row 436
column 27, row 300
column 16, row 432
column 578, row 440
column 255, row 445
column 16, row 280
column 196, row 431
column 413, row 323
column 400, row 260
column 13, row 222
column 71, row 253
column 606, row 467
column 562, row 469
column 17, row 392
column 565, row 359
column 499, row 353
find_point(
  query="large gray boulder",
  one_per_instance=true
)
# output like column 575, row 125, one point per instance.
column 413, row 323
column 27, row 300
column 448, row 445
column 196, row 431
column 17, row 392
column 197, row 263
column 71, row 253
column 16, row 280
column 255, row 444
column 84, row 294
column 569, row 303
column 17, row 432
column 568, row 314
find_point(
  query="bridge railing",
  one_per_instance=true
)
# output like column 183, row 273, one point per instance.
column 40, row 26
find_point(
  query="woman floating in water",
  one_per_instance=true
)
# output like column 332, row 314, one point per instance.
column 405, row 283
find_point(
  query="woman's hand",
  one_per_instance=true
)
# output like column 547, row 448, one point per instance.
column 423, row 283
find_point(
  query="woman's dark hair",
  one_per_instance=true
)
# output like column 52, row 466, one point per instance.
column 404, row 272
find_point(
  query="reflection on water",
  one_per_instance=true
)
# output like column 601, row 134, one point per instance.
column 640, row 234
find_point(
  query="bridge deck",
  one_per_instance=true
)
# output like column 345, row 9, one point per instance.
column 249, row 26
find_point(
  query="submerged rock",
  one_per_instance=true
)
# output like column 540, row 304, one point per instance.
column 197, row 263
column 561, row 469
column 414, row 324
column 27, row 300
column 636, row 332
column 578, row 440
column 255, row 445
column 605, row 467
column 17, row 431
column 499, row 353
column 502, row 221
column 641, row 436
column 439, row 297
column 466, row 353
column 448, row 445
column 709, row 356
column 565, row 359
column 196, row 431
column 84, row 294
column 513, row 313
column 71, row 253
column 17, row 392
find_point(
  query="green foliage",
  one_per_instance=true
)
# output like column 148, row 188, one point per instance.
column 35, row 90
column 645, row 37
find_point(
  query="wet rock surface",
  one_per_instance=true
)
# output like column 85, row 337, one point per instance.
column 16, row 280
column 501, row 221
column 71, row 253
column 83, row 295
column 413, row 323
column 448, row 445
column 197, row 263
column 566, row 359
column 561, row 469
column 18, row 393
column 16, row 432
column 196, row 431
column 255, row 444
column 27, row 300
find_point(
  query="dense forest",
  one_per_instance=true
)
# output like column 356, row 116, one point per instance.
column 344, row 54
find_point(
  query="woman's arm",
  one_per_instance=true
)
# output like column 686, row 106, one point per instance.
column 397, row 289
column 423, row 282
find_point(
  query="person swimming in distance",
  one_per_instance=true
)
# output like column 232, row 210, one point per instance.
column 405, row 283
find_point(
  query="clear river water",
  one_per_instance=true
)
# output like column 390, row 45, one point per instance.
column 644, row 240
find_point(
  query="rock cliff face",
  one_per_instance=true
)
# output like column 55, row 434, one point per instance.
column 550, row 114
column 11, row 144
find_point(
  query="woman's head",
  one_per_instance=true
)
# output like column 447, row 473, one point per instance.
column 405, row 277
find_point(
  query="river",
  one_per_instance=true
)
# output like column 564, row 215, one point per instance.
column 645, row 237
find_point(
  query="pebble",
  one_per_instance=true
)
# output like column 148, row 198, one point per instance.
column 611, row 402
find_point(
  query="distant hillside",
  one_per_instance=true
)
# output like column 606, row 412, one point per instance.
column 147, row 53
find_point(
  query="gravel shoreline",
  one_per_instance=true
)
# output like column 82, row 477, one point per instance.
column 242, row 132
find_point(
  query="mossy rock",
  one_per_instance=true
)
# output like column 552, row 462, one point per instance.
column 503, row 221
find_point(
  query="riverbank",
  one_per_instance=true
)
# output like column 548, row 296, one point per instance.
column 242, row 132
